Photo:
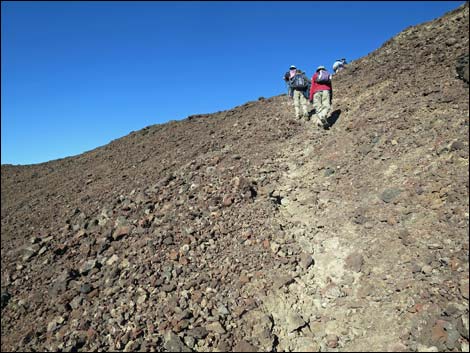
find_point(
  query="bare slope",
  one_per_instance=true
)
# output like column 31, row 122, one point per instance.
column 247, row 230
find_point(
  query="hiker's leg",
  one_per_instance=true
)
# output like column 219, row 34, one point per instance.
column 317, row 103
column 326, row 104
column 297, row 95
column 304, row 103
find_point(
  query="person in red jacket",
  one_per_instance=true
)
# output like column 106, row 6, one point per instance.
column 321, row 95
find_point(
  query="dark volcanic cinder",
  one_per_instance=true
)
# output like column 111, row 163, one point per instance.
column 245, row 229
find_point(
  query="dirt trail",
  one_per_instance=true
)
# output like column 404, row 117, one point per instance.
column 361, row 283
column 333, row 299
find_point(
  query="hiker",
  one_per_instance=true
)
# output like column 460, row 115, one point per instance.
column 287, row 76
column 321, row 95
column 339, row 65
column 299, row 84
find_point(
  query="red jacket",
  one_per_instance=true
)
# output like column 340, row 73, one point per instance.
column 318, row 86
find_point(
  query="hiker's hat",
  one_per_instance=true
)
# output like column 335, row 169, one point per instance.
column 292, row 67
column 320, row 68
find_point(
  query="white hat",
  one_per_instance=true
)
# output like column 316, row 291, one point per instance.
column 292, row 67
column 321, row 68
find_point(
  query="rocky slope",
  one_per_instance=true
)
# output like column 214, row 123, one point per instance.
column 246, row 230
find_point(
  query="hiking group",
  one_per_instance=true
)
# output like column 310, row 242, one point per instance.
column 318, row 91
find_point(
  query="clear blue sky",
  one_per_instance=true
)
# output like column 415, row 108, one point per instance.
column 76, row 75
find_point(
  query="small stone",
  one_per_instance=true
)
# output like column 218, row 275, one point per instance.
column 294, row 322
column 55, row 323
column 423, row 348
column 173, row 255
column 198, row 332
column 29, row 251
column 142, row 298
column 439, row 334
column 223, row 346
column 112, row 260
column 87, row 266
column 329, row 171
column 275, row 247
column 465, row 347
column 169, row 287
column 306, row 260
column 415, row 268
column 222, row 310
column 332, row 291
column 86, row 288
column 389, row 194
column 426, row 269
column 189, row 341
column 131, row 346
column 52, row 326
column 168, row 240
column 121, row 232
column 282, row 281
column 215, row 327
column 42, row 250
column 76, row 302
column 451, row 309
column 184, row 249
column 354, row 262
column 464, row 288
column 244, row 346
column 35, row 240
column 463, row 326
column 227, row 200
column 456, row 145
column 173, row 343
column 452, row 336
column 332, row 341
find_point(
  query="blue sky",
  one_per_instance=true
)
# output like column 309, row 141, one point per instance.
column 76, row 75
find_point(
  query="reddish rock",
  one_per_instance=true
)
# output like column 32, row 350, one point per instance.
column 438, row 333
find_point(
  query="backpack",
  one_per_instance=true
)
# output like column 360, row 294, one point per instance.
column 298, row 82
column 323, row 77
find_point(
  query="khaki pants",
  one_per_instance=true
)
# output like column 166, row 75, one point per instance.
column 321, row 102
column 300, row 100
